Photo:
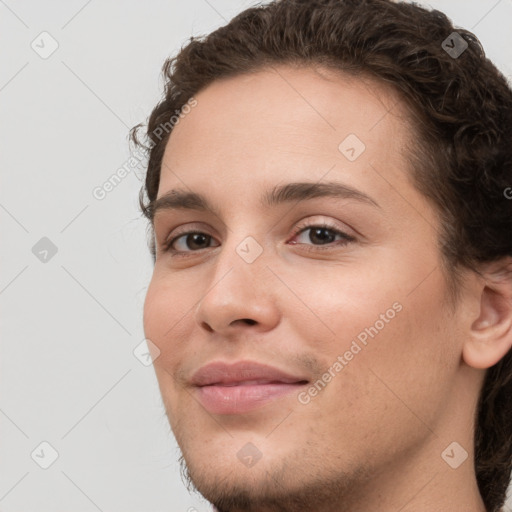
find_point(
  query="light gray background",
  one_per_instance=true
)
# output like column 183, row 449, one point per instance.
column 69, row 325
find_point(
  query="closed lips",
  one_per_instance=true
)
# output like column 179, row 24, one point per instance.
column 256, row 382
column 242, row 387
column 243, row 373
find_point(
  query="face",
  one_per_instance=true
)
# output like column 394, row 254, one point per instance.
column 339, row 289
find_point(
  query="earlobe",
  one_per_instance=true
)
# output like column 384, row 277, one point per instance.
column 490, row 335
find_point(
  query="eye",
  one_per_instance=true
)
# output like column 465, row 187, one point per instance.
column 193, row 240
column 321, row 235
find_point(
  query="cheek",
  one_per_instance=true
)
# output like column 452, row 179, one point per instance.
column 399, row 343
column 167, row 313
column 338, row 304
column 406, row 369
column 165, row 323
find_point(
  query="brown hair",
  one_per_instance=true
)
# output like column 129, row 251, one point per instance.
column 461, row 110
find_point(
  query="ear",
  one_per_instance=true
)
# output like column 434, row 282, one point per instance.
column 490, row 336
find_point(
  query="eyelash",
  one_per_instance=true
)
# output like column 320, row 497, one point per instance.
column 299, row 230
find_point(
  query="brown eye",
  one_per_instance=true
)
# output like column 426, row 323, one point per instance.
column 322, row 235
column 191, row 241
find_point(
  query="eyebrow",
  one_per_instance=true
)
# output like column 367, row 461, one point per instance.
column 280, row 194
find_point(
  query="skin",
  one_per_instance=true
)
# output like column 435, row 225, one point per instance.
column 373, row 438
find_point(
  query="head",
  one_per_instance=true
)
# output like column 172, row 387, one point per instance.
column 391, row 299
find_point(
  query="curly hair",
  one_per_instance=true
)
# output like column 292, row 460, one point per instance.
column 461, row 111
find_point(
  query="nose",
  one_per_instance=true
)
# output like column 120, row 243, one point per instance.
column 239, row 294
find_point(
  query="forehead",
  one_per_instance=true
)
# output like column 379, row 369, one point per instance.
column 284, row 123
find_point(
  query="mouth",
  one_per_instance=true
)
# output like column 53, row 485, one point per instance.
column 256, row 382
column 243, row 386
column 243, row 397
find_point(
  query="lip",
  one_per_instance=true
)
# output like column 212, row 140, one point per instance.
column 243, row 386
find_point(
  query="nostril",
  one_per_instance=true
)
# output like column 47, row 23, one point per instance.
column 250, row 321
column 207, row 327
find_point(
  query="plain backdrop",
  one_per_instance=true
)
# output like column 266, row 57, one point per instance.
column 74, row 269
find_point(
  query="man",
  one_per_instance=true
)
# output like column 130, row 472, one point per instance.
column 332, row 292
